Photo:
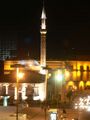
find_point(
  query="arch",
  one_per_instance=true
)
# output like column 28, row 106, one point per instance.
column 87, row 85
column 70, row 84
column 81, row 85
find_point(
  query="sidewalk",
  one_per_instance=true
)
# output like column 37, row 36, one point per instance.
column 9, row 113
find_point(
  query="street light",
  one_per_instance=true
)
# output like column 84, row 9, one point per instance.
column 46, row 78
column 59, row 77
column 45, row 70
column 19, row 75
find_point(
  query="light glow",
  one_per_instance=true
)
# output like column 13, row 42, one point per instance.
column 67, row 74
column 53, row 116
column 24, row 97
column 20, row 75
column 15, row 95
column 36, row 98
column 42, row 93
column 88, row 83
column 39, row 92
column 5, row 101
column 83, row 104
column 42, row 71
column 81, row 84
column 59, row 75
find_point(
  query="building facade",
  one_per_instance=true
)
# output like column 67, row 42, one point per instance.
column 30, row 86
column 76, row 77
column 79, row 72
column 8, row 45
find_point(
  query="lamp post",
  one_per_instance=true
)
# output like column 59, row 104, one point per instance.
column 45, row 70
column 62, row 75
column 59, row 78
column 19, row 76
column 46, row 78
column 17, row 72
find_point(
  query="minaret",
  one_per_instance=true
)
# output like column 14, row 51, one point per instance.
column 43, row 32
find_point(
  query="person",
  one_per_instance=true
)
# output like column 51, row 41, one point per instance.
column 48, row 107
column 64, row 113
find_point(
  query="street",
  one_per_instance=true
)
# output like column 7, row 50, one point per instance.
column 37, row 113
column 34, row 113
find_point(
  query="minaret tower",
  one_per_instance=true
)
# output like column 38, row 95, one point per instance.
column 43, row 32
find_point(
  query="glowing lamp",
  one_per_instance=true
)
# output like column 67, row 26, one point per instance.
column 20, row 75
column 59, row 75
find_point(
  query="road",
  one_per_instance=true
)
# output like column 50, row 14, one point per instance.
column 34, row 113
column 9, row 113
column 37, row 113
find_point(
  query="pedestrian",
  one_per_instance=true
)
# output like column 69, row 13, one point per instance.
column 64, row 111
column 48, row 107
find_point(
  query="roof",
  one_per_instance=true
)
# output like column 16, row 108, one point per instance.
column 30, row 77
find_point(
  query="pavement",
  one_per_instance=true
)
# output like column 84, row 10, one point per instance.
column 37, row 113
column 34, row 113
column 9, row 113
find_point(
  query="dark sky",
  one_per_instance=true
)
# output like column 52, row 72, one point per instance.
column 68, row 25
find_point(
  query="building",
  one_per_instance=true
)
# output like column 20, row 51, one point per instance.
column 76, row 75
column 36, row 87
column 31, row 83
column 79, row 72
column 8, row 45
column 65, row 76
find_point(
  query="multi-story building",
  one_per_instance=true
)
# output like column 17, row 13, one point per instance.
column 8, row 45
column 78, row 72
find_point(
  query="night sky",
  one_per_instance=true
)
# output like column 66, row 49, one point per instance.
column 68, row 26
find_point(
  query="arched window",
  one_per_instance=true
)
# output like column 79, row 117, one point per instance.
column 70, row 85
column 81, row 85
column 88, row 85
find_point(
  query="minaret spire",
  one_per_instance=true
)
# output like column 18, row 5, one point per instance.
column 43, row 18
column 43, row 32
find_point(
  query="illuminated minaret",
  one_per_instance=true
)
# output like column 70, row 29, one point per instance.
column 43, row 32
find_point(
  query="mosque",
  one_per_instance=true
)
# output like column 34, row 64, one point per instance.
column 33, row 85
